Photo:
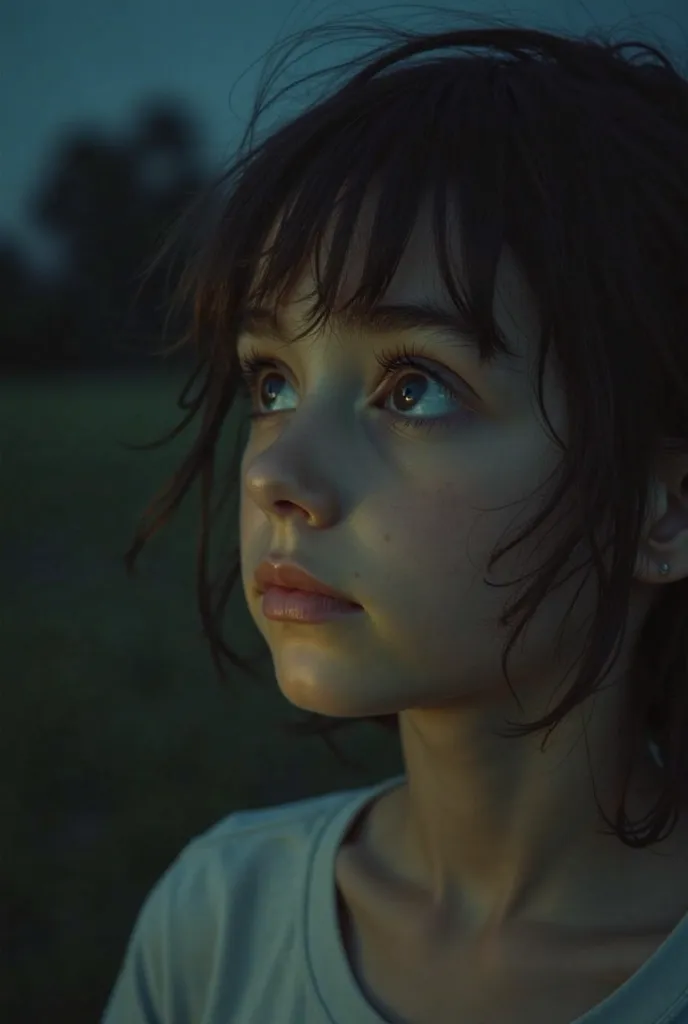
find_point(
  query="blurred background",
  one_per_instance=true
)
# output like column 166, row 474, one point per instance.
column 117, row 745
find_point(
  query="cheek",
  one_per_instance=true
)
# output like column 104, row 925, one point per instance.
column 250, row 514
column 427, row 578
column 429, row 558
column 426, row 541
column 253, row 537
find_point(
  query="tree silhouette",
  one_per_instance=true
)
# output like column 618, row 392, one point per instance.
column 17, row 288
column 105, row 202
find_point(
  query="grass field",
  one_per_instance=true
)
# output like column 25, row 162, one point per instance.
column 118, row 745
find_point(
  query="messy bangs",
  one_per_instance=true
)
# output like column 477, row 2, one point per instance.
column 572, row 154
column 381, row 154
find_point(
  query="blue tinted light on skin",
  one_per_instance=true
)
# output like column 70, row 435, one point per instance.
column 405, row 520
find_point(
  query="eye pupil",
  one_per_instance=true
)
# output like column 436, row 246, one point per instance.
column 406, row 393
column 269, row 393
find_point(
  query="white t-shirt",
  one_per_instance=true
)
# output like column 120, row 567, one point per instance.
column 242, row 929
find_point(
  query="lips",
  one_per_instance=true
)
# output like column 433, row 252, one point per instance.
column 290, row 576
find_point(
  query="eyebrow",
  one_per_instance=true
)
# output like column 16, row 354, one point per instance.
column 383, row 318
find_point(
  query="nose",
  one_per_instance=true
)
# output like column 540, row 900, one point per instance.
column 283, row 487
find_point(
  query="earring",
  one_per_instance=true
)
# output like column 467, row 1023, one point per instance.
column 664, row 568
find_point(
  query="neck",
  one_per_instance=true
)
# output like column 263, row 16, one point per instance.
column 496, row 829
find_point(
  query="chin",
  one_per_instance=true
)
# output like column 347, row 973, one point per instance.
column 331, row 694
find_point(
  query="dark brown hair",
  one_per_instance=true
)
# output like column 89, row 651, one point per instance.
column 573, row 151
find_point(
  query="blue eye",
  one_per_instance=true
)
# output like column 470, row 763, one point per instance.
column 419, row 396
column 269, row 388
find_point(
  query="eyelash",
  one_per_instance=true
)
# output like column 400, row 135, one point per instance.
column 391, row 360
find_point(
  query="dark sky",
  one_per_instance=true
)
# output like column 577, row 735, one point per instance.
column 68, row 62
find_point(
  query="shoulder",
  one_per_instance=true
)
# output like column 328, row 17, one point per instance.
column 232, row 877
column 237, row 887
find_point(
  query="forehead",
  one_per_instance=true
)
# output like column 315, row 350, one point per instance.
column 510, row 381
column 418, row 277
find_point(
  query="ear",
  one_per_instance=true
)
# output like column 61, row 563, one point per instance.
column 665, row 534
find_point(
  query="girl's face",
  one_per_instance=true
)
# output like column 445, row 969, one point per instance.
column 343, row 480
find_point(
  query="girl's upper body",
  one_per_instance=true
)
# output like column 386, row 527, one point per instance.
column 245, row 927
column 453, row 295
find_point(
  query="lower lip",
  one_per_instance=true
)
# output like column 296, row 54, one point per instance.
column 284, row 605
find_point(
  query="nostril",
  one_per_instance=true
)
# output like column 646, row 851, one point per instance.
column 289, row 507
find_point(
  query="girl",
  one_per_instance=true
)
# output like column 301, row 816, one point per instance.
column 449, row 301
